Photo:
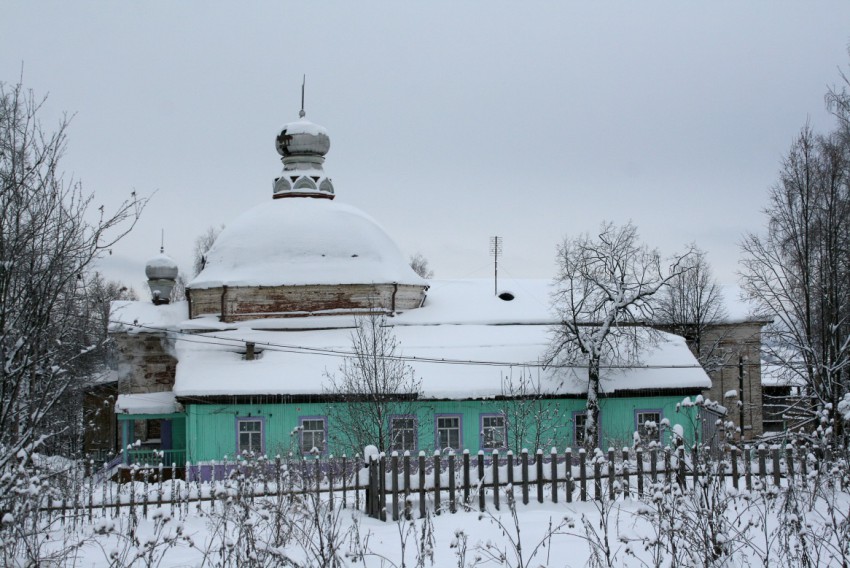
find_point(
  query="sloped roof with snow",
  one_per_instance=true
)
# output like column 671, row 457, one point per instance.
column 461, row 343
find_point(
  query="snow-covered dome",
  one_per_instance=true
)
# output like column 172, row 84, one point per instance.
column 302, row 137
column 161, row 271
column 161, row 266
column 295, row 242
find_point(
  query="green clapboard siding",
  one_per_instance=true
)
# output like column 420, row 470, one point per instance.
column 211, row 429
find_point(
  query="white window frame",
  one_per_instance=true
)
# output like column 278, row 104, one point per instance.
column 407, row 432
column 458, row 427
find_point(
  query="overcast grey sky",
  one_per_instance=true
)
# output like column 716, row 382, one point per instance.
column 449, row 121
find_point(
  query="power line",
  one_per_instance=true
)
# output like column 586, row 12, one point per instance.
column 341, row 353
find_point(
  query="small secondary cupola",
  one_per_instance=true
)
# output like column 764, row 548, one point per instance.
column 161, row 271
column 302, row 146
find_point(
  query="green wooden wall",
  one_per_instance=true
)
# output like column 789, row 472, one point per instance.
column 211, row 429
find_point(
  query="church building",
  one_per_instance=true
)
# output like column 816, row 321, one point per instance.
column 251, row 360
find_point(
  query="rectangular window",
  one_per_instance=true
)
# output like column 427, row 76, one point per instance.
column 403, row 433
column 249, row 435
column 448, row 431
column 648, row 423
column 493, row 434
column 313, row 434
column 579, row 424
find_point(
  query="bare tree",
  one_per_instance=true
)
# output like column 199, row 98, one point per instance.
column 690, row 304
column 531, row 418
column 46, row 249
column 419, row 264
column 603, row 293
column 370, row 387
column 799, row 270
column 203, row 243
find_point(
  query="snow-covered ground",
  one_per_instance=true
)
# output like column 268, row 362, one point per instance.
column 715, row 526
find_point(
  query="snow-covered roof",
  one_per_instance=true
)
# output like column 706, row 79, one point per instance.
column 145, row 317
column 147, row 403
column 461, row 343
column 301, row 241
column 453, row 362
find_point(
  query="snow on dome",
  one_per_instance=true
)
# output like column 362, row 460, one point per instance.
column 291, row 242
column 161, row 266
column 302, row 137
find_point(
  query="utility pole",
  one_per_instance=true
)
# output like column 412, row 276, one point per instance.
column 495, row 250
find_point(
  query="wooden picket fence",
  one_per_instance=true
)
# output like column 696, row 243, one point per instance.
column 395, row 486
column 623, row 474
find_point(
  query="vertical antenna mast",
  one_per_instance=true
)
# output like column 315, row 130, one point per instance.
column 162, row 241
column 496, row 250
column 303, row 84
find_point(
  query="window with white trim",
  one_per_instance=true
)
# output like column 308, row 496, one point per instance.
column 648, row 423
column 493, row 431
column 579, row 425
column 448, row 432
column 313, row 435
column 403, row 433
column 249, row 435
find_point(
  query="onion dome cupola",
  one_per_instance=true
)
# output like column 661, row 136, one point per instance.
column 161, row 271
column 302, row 146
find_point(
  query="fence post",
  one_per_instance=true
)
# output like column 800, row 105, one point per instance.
column 668, row 468
column 776, row 468
column 452, row 481
column 407, row 476
column 582, row 472
column 357, row 470
column 394, row 478
column 145, row 488
column 653, row 463
column 762, row 450
column 680, row 454
column 90, row 479
column 525, row 476
column 481, row 480
column 331, row 469
column 495, row 465
column 132, row 494
column 695, row 464
column 625, row 472
column 421, row 484
column 539, row 469
column 466, row 480
column 734, row 452
column 344, row 479
column 554, row 473
column 611, row 473
column 568, row 473
column 789, row 463
column 510, row 467
column 748, row 468
column 597, row 474
column 639, row 457
column 436, row 482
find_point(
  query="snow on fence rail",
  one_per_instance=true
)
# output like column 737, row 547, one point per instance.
column 391, row 486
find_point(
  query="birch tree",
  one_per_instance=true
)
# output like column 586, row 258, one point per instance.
column 604, row 293
column 46, row 250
